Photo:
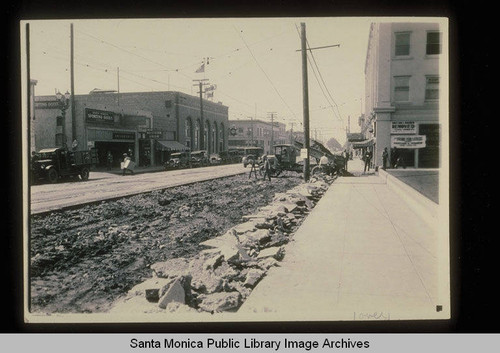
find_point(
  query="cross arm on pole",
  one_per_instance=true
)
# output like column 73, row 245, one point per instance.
column 326, row 46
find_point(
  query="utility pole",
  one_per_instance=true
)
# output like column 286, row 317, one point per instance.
column 200, row 85
column 272, row 130
column 118, row 84
column 303, row 50
column 73, row 118
column 291, row 133
column 305, row 98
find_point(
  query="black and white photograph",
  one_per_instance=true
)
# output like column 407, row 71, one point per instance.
column 264, row 169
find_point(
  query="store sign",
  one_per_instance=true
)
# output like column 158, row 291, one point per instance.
column 154, row 134
column 123, row 136
column 99, row 116
column 415, row 141
column 303, row 153
column 403, row 127
column 48, row 105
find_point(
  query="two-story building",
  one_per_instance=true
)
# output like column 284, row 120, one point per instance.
column 254, row 132
column 404, row 79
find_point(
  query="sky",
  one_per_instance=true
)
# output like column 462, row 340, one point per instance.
column 254, row 62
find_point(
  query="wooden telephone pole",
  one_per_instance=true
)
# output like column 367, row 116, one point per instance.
column 305, row 99
column 200, row 85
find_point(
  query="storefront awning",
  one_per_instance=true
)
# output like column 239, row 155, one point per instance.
column 364, row 144
column 355, row 137
column 171, row 146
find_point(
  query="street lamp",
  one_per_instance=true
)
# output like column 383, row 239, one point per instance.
column 64, row 101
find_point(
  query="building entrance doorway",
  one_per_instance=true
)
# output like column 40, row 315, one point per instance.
column 117, row 150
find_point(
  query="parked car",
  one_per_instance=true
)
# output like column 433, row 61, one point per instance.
column 178, row 160
column 251, row 154
column 199, row 158
column 231, row 156
column 51, row 164
column 215, row 158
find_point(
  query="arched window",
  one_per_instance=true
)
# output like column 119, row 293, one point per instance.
column 196, row 145
column 189, row 132
column 206, row 136
column 221, row 137
column 214, row 138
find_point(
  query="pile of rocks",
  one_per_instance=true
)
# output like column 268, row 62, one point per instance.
column 223, row 275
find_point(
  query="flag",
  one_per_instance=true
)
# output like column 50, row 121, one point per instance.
column 201, row 69
column 210, row 94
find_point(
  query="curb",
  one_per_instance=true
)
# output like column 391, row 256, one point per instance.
column 424, row 207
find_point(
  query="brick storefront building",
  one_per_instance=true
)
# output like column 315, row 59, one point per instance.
column 150, row 125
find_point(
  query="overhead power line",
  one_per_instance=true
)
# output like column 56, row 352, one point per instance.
column 264, row 72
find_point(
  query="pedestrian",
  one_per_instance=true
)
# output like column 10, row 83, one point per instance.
column 253, row 169
column 267, row 167
column 368, row 158
column 109, row 159
column 127, row 162
column 385, row 156
column 394, row 158
column 346, row 158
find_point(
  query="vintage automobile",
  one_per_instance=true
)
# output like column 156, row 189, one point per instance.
column 286, row 158
column 251, row 154
column 232, row 156
column 178, row 160
column 51, row 164
column 199, row 159
column 215, row 158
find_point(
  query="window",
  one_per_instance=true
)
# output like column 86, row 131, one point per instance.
column 433, row 43
column 432, row 88
column 188, row 132
column 402, row 44
column 401, row 88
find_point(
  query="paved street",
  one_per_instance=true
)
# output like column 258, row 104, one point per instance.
column 102, row 186
column 362, row 254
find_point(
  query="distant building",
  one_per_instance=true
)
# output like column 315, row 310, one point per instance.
column 150, row 125
column 253, row 132
column 403, row 84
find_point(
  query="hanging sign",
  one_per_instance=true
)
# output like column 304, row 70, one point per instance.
column 414, row 141
column 403, row 127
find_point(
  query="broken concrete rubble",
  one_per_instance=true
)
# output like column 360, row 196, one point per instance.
column 175, row 293
column 219, row 302
column 223, row 275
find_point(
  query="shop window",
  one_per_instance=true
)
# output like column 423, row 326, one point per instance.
column 433, row 43
column 432, row 88
column 402, row 46
column 401, row 88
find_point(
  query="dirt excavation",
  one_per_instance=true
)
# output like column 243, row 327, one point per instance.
column 86, row 260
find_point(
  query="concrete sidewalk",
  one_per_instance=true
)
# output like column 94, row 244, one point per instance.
column 362, row 254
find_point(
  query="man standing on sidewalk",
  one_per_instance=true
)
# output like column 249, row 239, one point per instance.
column 368, row 159
column 385, row 156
